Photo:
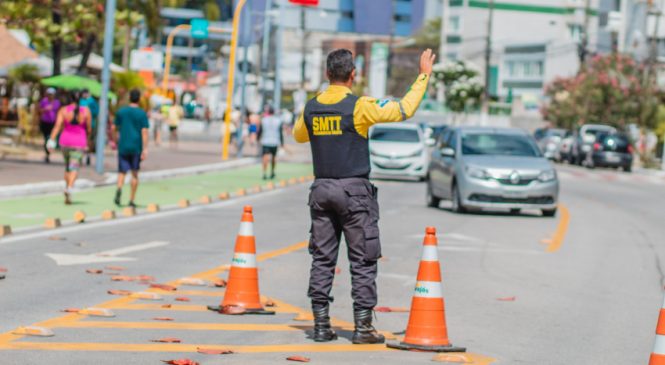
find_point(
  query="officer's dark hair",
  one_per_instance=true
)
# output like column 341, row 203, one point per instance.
column 340, row 65
column 134, row 96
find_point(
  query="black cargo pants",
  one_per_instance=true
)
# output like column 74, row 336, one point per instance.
column 350, row 206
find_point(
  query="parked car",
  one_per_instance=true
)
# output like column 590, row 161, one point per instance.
column 432, row 131
column 565, row 148
column 612, row 150
column 482, row 167
column 583, row 142
column 551, row 142
column 398, row 150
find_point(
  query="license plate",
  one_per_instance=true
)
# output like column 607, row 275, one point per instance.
column 612, row 158
column 514, row 194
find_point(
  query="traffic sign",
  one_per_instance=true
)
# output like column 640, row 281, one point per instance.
column 305, row 2
column 199, row 28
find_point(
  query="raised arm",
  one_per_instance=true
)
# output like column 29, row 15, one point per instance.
column 370, row 111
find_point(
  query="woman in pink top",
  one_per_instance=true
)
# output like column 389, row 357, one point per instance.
column 74, row 121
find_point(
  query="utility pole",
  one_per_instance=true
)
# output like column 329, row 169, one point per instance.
column 277, row 90
column 106, row 82
column 303, row 48
column 653, row 54
column 584, row 41
column 488, row 52
column 265, row 51
column 391, row 40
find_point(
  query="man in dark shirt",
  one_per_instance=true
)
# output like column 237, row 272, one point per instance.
column 130, row 130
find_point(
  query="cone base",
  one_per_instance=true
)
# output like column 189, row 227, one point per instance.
column 434, row 348
column 218, row 308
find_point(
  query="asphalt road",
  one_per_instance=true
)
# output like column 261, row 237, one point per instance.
column 584, row 287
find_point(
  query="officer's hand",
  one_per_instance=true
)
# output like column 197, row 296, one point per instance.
column 427, row 61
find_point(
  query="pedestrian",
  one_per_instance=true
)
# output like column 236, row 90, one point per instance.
column 131, row 133
column 48, row 112
column 174, row 115
column 271, row 137
column 342, row 199
column 89, row 101
column 73, row 124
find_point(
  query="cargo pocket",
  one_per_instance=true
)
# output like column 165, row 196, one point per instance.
column 358, row 198
column 372, row 244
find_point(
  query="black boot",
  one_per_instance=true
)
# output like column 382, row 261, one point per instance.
column 365, row 333
column 323, row 331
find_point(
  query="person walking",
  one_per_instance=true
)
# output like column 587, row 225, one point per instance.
column 271, row 137
column 174, row 116
column 89, row 102
column 73, row 124
column 342, row 199
column 131, row 133
column 48, row 112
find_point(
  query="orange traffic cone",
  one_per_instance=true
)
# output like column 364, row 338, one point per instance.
column 658, row 353
column 427, row 330
column 242, row 290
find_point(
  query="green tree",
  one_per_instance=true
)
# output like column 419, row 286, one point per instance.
column 429, row 36
column 123, row 82
column 463, row 86
column 612, row 90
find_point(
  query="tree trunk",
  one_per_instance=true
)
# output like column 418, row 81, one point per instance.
column 90, row 41
column 56, row 44
column 126, row 47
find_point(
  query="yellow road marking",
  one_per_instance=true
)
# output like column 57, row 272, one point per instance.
column 180, row 326
column 466, row 358
column 555, row 243
column 8, row 337
column 174, row 347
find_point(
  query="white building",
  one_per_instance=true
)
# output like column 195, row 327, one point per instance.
column 533, row 41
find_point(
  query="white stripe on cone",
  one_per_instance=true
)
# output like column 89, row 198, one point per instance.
column 246, row 229
column 428, row 289
column 659, row 346
column 244, row 260
column 429, row 253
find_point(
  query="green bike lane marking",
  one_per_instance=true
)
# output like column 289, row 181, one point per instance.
column 32, row 211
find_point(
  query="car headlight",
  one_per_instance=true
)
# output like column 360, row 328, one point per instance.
column 547, row 175
column 477, row 173
column 416, row 153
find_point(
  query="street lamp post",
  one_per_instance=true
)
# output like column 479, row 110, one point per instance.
column 106, row 81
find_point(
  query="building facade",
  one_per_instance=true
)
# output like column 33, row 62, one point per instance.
column 532, row 41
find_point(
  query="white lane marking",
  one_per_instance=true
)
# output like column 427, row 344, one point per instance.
column 104, row 256
column 18, row 236
column 490, row 250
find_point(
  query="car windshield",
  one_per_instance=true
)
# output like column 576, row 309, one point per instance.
column 498, row 144
column 395, row 135
column 555, row 133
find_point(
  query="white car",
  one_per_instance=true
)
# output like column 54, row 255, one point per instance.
column 398, row 150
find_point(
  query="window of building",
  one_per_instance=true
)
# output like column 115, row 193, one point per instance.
column 524, row 69
column 454, row 24
column 575, row 32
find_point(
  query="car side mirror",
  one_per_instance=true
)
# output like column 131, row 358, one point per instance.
column 447, row 152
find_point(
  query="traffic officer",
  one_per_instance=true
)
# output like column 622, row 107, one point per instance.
column 342, row 200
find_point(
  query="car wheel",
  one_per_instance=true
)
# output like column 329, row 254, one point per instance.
column 628, row 168
column 549, row 212
column 515, row 211
column 457, row 205
column 431, row 199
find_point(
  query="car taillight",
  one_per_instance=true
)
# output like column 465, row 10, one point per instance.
column 596, row 146
column 630, row 149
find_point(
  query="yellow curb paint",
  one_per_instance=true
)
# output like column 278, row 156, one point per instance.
column 183, row 203
column 129, row 211
column 293, row 181
column 206, row 199
column 555, row 243
column 241, row 192
column 153, row 208
column 108, row 215
column 192, row 326
column 282, row 183
column 79, row 216
column 223, row 196
column 5, row 230
column 51, row 223
column 302, row 179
